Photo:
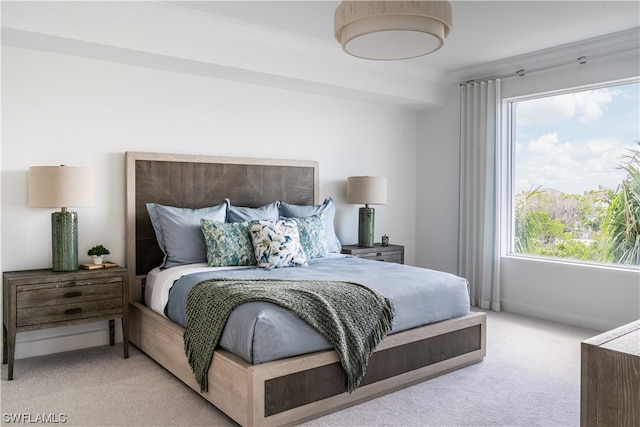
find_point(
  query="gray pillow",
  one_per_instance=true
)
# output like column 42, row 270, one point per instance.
column 328, row 210
column 179, row 234
column 268, row 212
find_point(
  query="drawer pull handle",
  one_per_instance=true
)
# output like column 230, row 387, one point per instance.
column 72, row 311
column 379, row 254
column 72, row 294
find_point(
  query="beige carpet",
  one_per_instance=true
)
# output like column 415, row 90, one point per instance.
column 530, row 377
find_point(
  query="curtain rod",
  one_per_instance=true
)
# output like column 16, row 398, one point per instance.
column 581, row 60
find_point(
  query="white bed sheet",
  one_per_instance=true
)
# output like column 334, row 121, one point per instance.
column 159, row 282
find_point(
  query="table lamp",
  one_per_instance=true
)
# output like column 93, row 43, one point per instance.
column 366, row 190
column 62, row 187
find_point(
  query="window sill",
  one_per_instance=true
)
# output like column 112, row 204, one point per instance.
column 573, row 263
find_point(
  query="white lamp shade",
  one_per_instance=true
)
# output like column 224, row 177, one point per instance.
column 61, row 186
column 367, row 190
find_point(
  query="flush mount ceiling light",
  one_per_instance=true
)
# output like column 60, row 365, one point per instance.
column 389, row 30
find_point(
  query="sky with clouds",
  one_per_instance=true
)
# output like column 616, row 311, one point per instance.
column 574, row 142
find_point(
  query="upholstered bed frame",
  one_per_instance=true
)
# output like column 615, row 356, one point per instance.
column 285, row 391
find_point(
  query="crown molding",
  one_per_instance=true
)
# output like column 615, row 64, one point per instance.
column 598, row 48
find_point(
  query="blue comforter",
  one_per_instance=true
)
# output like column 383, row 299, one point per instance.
column 261, row 332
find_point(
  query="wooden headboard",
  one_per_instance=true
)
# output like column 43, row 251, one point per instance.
column 195, row 181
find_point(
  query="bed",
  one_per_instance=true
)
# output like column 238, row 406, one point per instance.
column 285, row 390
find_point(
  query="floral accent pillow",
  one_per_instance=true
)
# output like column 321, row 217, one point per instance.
column 313, row 238
column 276, row 244
column 227, row 243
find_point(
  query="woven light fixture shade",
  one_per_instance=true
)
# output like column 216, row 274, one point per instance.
column 392, row 30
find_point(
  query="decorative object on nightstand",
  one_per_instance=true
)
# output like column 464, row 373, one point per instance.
column 385, row 240
column 97, row 253
column 92, row 266
column 62, row 187
column 41, row 299
column 389, row 253
column 366, row 190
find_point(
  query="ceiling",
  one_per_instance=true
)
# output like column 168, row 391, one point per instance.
column 483, row 31
column 290, row 44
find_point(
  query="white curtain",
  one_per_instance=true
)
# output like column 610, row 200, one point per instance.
column 479, row 215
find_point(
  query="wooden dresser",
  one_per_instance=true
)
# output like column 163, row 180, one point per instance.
column 610, row 381
column 40, row 299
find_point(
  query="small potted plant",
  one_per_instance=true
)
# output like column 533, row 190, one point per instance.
column 98, row 252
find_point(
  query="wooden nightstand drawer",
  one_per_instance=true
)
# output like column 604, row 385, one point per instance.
column 68, row 292
column 391, row 253
column 395, row 256
column 69, row 312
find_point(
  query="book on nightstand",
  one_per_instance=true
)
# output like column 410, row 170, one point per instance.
column 91, row 266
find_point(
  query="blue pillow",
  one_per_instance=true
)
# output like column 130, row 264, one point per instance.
column 268, row 212
column 328, row 210
column 179, row 234
column 228, row 243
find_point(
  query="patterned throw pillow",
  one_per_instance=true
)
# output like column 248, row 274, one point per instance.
column 313, row 238
column 227, row 243
column 276, row 244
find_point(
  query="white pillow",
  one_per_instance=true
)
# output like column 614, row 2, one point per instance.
column 276, row 244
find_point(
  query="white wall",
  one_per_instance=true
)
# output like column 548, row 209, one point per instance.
column 437, row 153
column 593, row 297
column 60, row 109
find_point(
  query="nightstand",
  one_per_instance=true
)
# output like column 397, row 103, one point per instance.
column 41, row 299
column 390, row 253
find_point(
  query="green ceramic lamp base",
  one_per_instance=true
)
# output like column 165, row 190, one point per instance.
column 64, row 241
column 365, row 227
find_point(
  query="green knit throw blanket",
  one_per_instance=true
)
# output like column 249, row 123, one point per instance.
column 352, row 317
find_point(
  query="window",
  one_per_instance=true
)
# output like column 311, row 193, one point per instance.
column 575, row 174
